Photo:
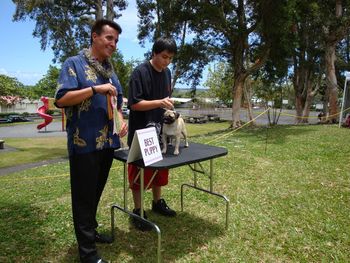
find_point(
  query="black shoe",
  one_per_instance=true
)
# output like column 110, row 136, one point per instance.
column 139, row 223
column 162, row 208
column 94, row 259
column 104, row 239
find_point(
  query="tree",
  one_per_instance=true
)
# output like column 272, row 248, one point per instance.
column 47, row 85
column 123, row 70
column 65, row 24
column 240, row 29
column 219, row 82
column 172, row 18
column 307, row 57
column 272, row 93
column 228, row 30
column 335, row 21
column 10, row 86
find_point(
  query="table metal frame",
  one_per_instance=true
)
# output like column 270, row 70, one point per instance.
column 194, row 164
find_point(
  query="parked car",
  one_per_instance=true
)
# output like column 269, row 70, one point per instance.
column 16, row 118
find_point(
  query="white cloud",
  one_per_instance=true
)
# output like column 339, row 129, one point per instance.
column 27, row 78
column 3, row 71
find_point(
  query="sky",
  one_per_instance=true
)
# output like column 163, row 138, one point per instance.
column 22, row 57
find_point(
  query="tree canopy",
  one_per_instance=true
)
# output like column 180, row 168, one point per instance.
column 306, row 41
column 10, row 86
column 65, row 25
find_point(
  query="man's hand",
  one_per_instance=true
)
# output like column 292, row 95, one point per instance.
column 107, row 88
column 123, row 125
column 123, row 130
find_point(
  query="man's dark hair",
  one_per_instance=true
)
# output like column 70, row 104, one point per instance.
column 99, row 24
column 164, row 43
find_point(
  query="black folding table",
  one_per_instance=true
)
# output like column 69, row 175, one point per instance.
column 191, row 156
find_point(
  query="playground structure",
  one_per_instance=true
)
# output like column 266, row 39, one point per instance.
column 42, row 113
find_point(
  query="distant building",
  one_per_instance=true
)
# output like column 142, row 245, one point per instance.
column 182, row 102
column 18, row 105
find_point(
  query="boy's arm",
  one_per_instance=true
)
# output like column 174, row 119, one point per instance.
column 145, row 105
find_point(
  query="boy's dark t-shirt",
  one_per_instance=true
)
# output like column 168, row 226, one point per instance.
column 146, row 84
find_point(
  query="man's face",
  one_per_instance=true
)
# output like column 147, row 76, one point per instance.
column 106, row 43
column 162, row 60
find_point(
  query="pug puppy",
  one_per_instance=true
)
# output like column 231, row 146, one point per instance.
column 173, row 127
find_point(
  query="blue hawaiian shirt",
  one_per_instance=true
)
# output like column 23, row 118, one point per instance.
column 88, row 127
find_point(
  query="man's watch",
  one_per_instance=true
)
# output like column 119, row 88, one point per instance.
column 93, row 90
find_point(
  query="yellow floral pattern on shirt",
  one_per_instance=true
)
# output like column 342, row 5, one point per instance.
column 100, row 141
column 77, row 140
column 90, row 74
column 84, row 106
column 72, row 72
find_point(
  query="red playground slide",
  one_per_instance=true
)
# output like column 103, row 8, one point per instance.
column 42, row 112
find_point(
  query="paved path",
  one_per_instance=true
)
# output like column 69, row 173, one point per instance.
column 21, row 167
column 54, row 129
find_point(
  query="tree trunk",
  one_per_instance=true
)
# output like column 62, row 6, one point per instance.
column 98, row 9
column 176, row 72
column 111, row 15
column 303, row 88
column 237, row 98
column 331, row 80
column 248, row 96
column 311, row 93
column 332, row 38
column 298, row 81
column 306, row 110
column 298, row 108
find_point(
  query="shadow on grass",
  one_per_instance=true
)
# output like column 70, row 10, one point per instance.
column 182, row 235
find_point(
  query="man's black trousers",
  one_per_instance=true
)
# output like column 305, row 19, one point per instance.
column 88, row 175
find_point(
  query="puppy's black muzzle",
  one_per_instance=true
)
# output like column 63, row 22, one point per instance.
column 168, row 120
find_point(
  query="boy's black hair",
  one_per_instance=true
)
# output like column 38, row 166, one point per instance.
column 164, row 43
column 99, row 24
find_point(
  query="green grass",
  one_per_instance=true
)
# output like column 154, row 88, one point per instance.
column 289, row 193
column 28, row 150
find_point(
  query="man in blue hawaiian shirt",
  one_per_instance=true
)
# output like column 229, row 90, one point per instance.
column 90, row 93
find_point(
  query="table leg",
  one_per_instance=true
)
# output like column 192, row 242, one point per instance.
column 195, row 175
column 154, row 226
column 211, row 178
column 125, row 188
column 142, row 185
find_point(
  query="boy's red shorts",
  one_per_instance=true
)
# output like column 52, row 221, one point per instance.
column 160, row 179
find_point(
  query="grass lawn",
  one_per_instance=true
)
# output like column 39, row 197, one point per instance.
column 289, row 193
column 30, row 150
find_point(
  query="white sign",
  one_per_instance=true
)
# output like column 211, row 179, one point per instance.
column 284, row 102
column 145, row 145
